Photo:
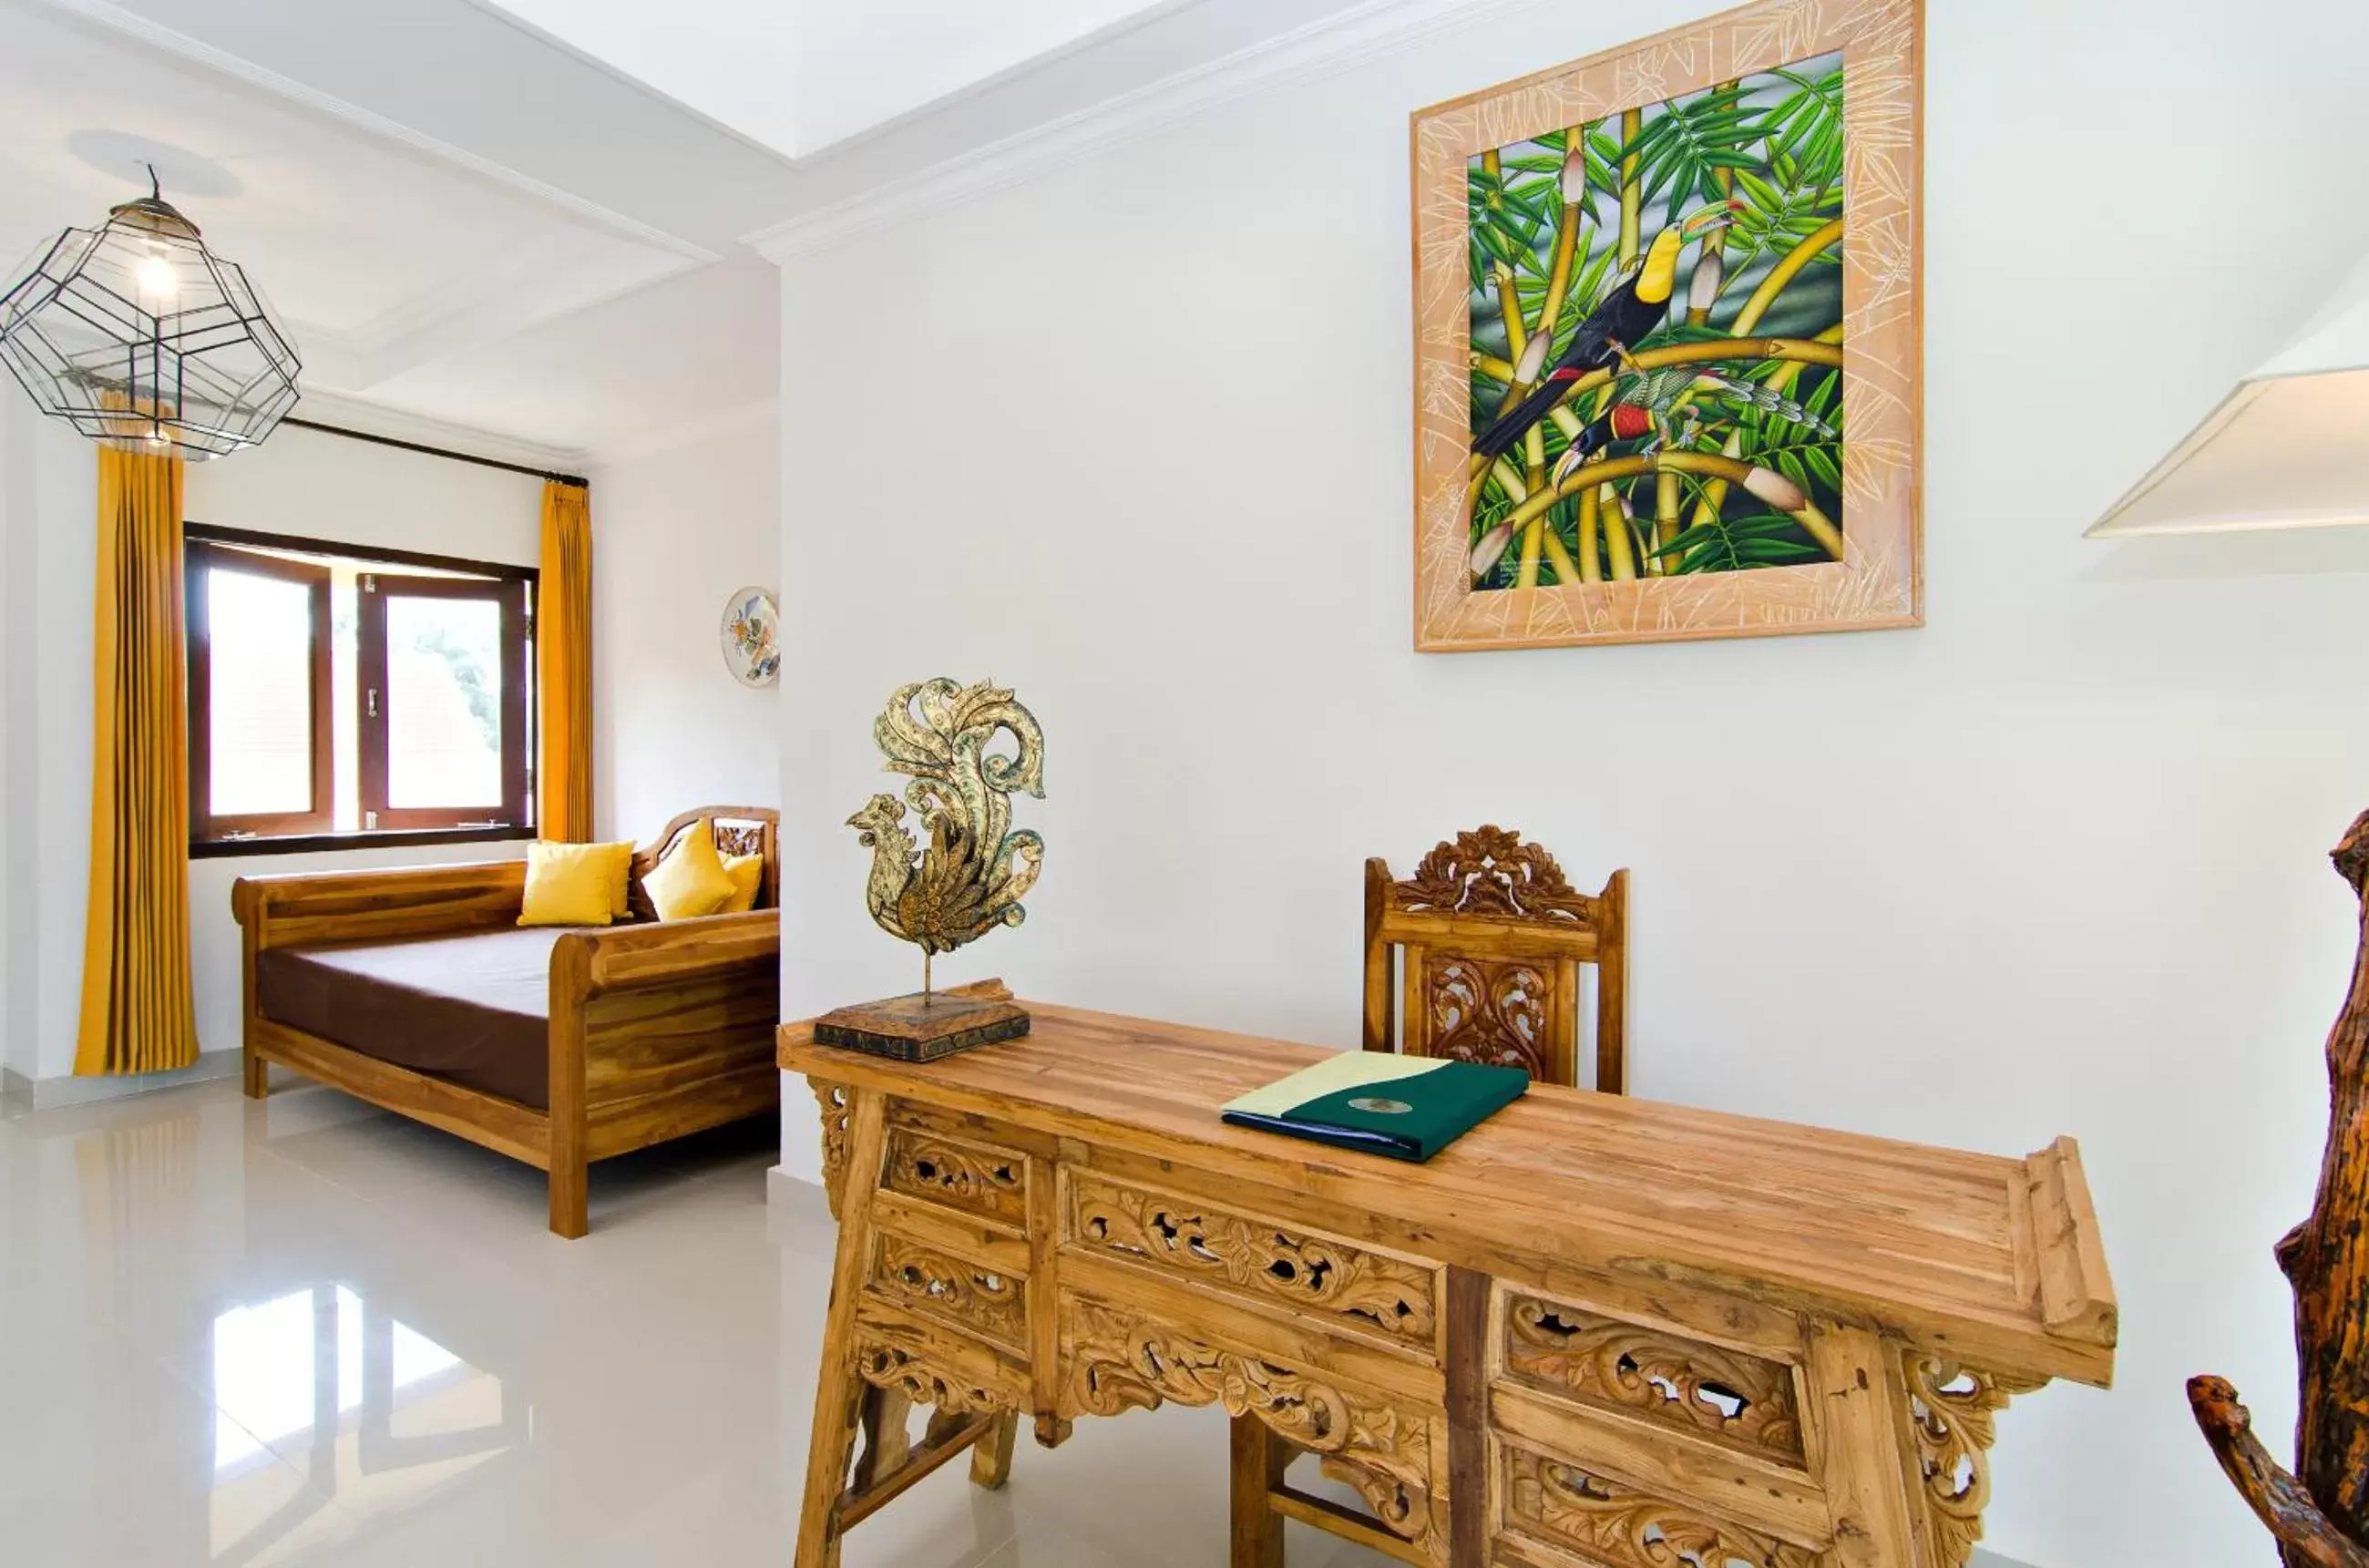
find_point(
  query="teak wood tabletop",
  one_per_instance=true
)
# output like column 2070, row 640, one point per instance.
column 1817, row 1270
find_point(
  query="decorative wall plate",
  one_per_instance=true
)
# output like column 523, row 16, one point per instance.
column 749, row 633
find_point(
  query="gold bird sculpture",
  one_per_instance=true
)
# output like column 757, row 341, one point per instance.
column 972, row 874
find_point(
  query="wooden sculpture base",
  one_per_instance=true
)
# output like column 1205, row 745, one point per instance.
column 925, row 1026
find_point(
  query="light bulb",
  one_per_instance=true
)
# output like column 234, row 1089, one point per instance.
column 156, row 277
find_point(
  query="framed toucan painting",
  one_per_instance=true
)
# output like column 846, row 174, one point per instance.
column 1668, row 337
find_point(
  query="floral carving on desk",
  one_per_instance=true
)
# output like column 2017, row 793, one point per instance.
column 1622, row 1528
column 1739, row 1398
column 1302, row 1272
column 832, row 1099
column 991, row 1182
column 968, row 1295
column 930, row 1371
column 1118, row 1361
column 1953, row 1415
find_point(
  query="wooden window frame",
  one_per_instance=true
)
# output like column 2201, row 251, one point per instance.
column 262, row 836
column 200, row 559
column 375, row 707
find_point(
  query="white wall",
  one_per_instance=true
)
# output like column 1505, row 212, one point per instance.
column 51, row 487
column 1132, row 437
column 322, row 487
column 15, row 498
column 673, row 535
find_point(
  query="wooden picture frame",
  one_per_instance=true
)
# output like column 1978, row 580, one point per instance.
column 1548, row 580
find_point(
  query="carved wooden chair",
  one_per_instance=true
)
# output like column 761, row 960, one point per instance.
column 1493, row 940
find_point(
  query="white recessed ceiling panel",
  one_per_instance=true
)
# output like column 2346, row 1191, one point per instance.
column 376, row 254
column 801, row 75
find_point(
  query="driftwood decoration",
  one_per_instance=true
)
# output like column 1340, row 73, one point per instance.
column 2320, row 1515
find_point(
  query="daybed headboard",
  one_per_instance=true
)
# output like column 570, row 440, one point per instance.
column 739, row 829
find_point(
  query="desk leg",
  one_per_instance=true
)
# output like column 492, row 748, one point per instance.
column 1468, row 1416
column 1861, row 1408
column 839, row 1392
column 882, row 1421
column 1260, row 1458
column 990, row 1461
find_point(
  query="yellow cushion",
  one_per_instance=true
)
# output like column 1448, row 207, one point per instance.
column 691, row 881
column 748, row 874
column 574, row 884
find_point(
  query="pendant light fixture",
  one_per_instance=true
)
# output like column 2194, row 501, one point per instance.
column 2286, row 447
column 141, row 338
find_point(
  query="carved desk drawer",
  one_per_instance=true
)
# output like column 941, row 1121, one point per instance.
column 938, row 1167
column 927, row 1276
column 1555, row 1514
column 1745, row 1402
column 950, row 1240
column 1233, row 1252
column 1391, row 1445
column 1612, row 1435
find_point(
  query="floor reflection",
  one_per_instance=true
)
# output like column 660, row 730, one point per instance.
column 373, row 1413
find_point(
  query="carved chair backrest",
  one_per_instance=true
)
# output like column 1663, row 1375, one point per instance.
column 739, row 829
column 1493, row 941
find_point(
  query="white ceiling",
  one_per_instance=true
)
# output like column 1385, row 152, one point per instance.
column 526, row 219
column 800, row 76
column 378, row 257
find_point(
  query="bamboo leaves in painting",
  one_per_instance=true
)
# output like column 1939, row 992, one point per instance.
column 1681, row 151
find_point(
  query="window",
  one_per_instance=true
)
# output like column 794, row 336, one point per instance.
column 334, row 693
column 259, row 749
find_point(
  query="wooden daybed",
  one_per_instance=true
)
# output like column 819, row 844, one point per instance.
column 416, row 989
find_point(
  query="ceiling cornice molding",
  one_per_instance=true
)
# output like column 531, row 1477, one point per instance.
column 1324, row 47
column 378, row 419
column 131, row 25
column 761, row 417
column 473, row 310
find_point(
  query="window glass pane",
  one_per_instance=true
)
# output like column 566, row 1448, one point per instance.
column 260, row 701
column 443, row 702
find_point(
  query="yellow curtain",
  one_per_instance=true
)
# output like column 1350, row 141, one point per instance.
column 137, row 1012
column 563, row 642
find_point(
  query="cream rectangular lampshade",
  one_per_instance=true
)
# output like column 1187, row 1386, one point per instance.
column 2288, row 448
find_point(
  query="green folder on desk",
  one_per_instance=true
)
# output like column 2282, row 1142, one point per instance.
column 1404, row 1108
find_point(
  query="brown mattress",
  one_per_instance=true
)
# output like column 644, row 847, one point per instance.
column 470, row 1008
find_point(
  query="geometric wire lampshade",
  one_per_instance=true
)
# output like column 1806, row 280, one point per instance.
column 141, row 339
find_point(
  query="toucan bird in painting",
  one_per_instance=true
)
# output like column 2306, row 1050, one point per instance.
column 1639, row 300
column 1653, row 405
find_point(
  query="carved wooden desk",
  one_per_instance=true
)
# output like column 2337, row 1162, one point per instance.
column 1597, row 1333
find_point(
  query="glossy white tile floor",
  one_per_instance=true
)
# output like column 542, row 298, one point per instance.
column 306, row 1331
